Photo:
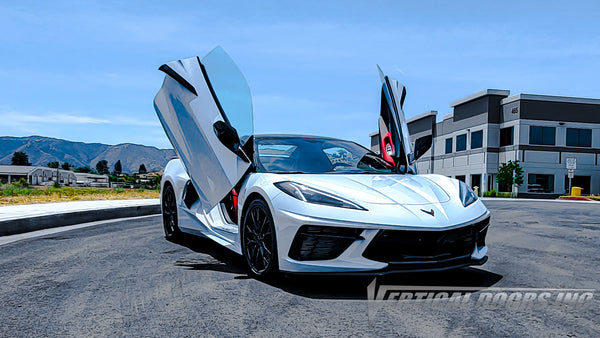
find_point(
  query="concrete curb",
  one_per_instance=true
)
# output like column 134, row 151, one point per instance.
column 27, row 224
column 534, row 200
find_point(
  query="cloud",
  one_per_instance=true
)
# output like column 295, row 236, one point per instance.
column 136, row 122
column 16, row 118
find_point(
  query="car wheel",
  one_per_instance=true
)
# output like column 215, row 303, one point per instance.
column 259, row 245
column 169, row 213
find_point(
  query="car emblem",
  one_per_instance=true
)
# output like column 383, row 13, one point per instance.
column 431, row 212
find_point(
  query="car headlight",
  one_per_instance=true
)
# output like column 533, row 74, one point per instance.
column 467, row 196
column 311, row 195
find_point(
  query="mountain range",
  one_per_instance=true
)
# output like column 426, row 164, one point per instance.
column 42, row 150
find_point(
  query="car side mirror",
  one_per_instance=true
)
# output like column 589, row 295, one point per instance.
column 422, row 144
column 227, row 135
column 229, row 138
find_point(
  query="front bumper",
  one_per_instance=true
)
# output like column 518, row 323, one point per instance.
column 325, row 246
column 395, row 269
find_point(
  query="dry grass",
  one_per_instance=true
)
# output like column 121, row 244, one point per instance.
column 10, row 194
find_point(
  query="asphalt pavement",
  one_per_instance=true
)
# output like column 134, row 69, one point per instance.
column 123, row 278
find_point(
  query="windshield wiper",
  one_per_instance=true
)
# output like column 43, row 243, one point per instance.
column 289, row 172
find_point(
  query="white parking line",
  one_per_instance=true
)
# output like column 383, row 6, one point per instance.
column 18, row 237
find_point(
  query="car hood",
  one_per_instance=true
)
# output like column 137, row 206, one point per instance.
column 377, row 189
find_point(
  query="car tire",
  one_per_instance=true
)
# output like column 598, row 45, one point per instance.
column 169, row 213
column 259, row 242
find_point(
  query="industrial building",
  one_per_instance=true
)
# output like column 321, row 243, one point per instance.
column 490, row 127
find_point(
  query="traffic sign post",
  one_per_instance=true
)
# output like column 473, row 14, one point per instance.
column 571, row 166
column 514, row 183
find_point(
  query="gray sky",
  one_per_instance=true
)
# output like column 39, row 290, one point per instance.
column 87, row 71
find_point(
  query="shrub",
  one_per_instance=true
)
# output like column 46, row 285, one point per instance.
column 21, row 183
column 56, row 185
column 494, row 193
column 490, row 193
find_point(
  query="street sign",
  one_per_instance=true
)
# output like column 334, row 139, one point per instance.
column 571, row 174
column 571, row 163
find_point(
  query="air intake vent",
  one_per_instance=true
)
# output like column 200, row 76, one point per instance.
column 426, row 246
column 322, row 242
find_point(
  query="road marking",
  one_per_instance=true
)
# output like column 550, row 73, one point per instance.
column 18, row 237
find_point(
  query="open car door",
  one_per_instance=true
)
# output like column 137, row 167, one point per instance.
column 205, row 108
column 394, row 138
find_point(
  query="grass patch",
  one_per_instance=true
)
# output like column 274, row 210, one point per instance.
column 22, row 194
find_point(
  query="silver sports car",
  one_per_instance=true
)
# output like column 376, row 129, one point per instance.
column 306, row 204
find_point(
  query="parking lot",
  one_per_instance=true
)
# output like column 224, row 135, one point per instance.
column 125, row 279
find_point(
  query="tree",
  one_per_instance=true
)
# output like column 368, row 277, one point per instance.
column 505, row 174
column 142, row 169
column 86, row 170
column 156, row 181
column 118, row 168
column 66, row 166
column 20, row 158
column 53, row 165
column 102, row 167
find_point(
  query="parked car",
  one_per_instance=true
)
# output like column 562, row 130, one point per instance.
column 306, row 204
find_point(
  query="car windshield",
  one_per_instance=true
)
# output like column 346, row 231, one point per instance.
column 307, row 155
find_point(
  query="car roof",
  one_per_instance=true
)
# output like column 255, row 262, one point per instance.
column 295, row 136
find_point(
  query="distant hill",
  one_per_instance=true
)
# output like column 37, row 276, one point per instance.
column 42, row 150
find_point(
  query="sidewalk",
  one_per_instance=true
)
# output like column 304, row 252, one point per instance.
column 21, row 218
column 535, row 200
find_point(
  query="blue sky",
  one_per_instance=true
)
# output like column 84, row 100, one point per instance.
column 87, row 71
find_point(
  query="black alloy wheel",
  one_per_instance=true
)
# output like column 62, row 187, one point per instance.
column 169, row 212
column 259, row 245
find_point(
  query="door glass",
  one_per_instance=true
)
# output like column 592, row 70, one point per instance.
column 392, row 125
column 232, row 91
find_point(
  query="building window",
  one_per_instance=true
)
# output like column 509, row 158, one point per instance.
column 462, row 178
column 477, row 139
column 448, row 145
column 507, row 137
column 461, row 142
column 579, row 137
column 542, row 135
column 540, row 183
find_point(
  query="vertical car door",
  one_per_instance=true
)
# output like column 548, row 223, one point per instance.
column 394, row 138
column 205, row 108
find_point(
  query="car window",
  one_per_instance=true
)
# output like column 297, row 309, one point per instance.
column 316, row 156
column 231, row 89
